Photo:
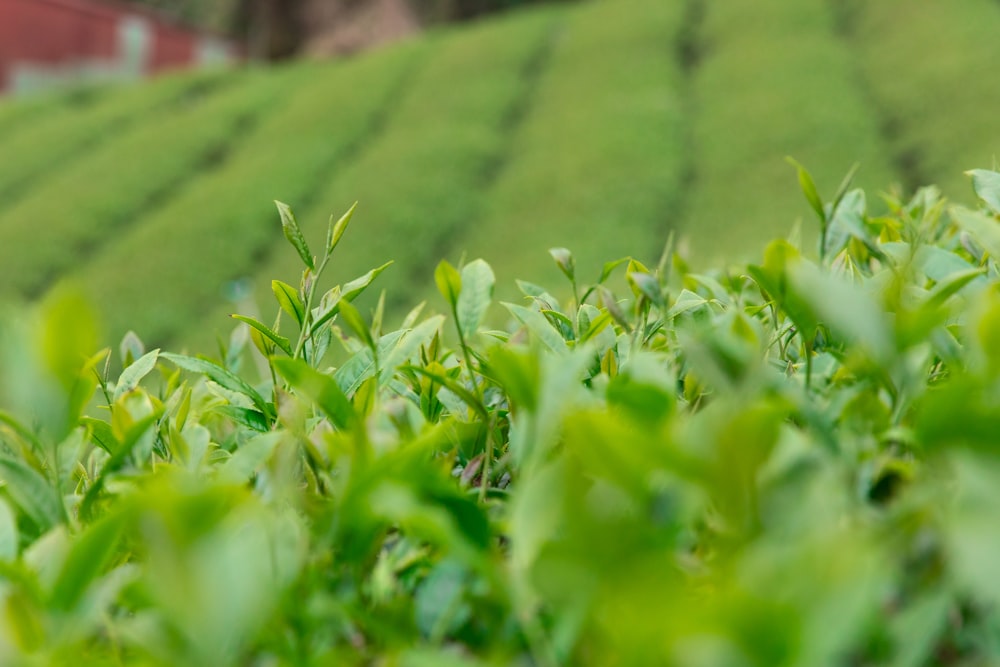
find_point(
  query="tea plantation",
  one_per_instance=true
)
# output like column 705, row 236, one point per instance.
column 604, row 125
column 792, row 462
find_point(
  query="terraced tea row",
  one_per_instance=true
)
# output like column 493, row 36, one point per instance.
column 92, row 200
column 599, row 125
column 598, row 161
column 46, row 138
column 931, row 70
column 222, row 225
column 773, row 81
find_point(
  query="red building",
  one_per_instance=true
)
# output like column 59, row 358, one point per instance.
column 47, row 41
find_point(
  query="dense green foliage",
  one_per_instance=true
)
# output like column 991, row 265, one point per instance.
column 608, row 124
column 793, row 463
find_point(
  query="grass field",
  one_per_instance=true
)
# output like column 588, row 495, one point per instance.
column 600, row 126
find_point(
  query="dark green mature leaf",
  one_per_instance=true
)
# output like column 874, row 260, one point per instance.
column 290, row 226
column 321, row 389
column 987, row 186
column 252, row 419
column 283, row 343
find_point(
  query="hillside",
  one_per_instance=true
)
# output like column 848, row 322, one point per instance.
column 601, row 126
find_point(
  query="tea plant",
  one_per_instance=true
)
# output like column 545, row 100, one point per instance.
column 792, row 463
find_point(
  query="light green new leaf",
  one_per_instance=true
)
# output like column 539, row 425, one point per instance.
column 352, row 318
column 288, row 299
column 449, row 282
column 409, row 345
column 809, row 189
column 90, row 554
column 844, row 307
column 984, row 229
column 32, row 493
column 290, row 226
column 986, row 183
column 538, row 325
column 338, row 228
column 249, row 457
column 9, row 537
column 564, row 260
column 477, row 281
column 132, row 375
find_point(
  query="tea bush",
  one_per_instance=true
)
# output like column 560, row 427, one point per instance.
column 792, row 463
column 762, row 59
column 59, row 130
column 220, row 223
column 928, row 115
column 563, row 175
column 145, row 164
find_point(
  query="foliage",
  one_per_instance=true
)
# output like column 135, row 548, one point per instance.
column 220, row 223
column 147, row 163
column 790, row 464
column 613, row 192
column 762, row 58
column 615, row 123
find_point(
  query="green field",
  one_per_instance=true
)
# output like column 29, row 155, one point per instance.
column 602, row 126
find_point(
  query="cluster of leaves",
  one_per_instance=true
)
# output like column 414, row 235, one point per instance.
column 790, row 464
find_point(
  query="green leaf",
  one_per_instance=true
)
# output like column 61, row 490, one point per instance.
column 984, row 229
column 132, row 375
column 564, row 260
column 809, row 189
column 220, row 376
column 538, row 325
column 647, row 285
column 350, row 291
column 31, row 492
column 987, row 186
column 453, row 386
column 320, row 389
column 338, row 228
column 449, row 282
column 352, row 318
column 361, row 366
column 9, row 537
column 130, row 348
column 283, row 343
column 250, row 457
column 951, row 286
column 252, row 419
column 101, row 433
column 409, row 345
column 477, row 283
column 288, row 299
column 90, row 554
column 294, row 234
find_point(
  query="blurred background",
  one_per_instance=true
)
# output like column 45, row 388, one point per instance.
column 142, row 143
